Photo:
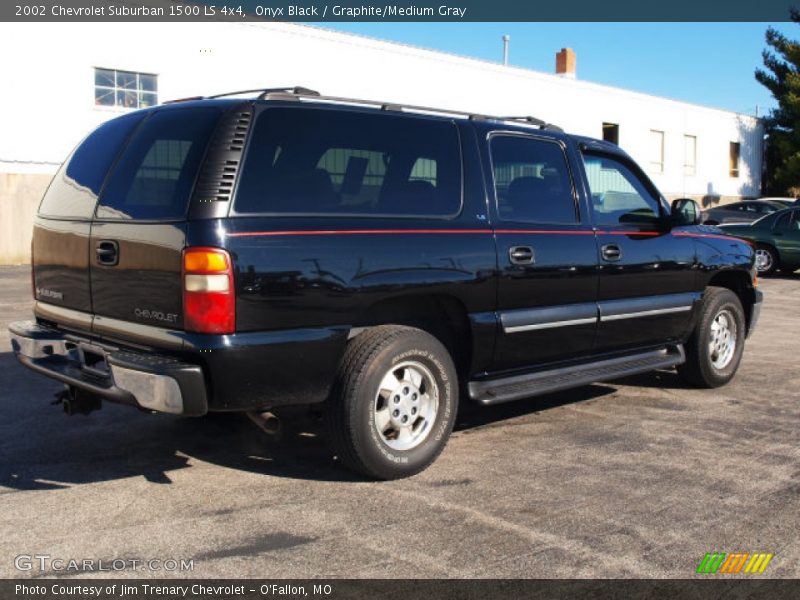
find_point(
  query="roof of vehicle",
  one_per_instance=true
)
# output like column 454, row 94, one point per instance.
column 292, row 95
column 765, row 220
column 780, row 202
column 740, row 202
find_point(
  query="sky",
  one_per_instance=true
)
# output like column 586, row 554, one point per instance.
column 704, row 63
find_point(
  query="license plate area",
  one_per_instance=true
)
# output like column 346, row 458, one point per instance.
column 93, row 359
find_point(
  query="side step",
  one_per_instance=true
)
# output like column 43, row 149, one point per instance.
column 495, row 391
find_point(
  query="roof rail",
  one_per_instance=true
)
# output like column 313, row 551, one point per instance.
column 263, row 93
column 187, row 99
column 533, row 121
column 298, row 92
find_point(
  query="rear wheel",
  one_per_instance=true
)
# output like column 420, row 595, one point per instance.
column 394, row 403
column 714, row 350
column 766, row 259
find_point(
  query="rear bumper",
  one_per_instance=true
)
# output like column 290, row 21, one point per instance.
column 150, row 381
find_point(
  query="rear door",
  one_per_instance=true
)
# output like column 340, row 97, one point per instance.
column 62, row 227
column 547, row 254
column 139, row 231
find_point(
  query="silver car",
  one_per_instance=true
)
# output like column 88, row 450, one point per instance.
column 741, row 212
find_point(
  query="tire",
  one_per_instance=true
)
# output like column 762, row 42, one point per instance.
column 365, row 420
column 714, row 350
column 767, row 260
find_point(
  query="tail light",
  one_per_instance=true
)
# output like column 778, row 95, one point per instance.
column 209, row 301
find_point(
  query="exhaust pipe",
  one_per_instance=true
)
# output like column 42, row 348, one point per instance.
column 77, row 402
column 266, row 421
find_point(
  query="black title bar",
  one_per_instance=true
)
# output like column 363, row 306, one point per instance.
column 389, row 10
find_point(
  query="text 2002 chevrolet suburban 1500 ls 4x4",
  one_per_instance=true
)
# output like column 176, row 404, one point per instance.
column 230, row 254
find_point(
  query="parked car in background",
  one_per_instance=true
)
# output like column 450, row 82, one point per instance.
column 785, row 202
column 742, row 212
column 776, row 238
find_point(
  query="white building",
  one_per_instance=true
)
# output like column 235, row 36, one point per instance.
column 57, row 78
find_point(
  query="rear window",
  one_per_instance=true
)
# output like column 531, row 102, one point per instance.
column 322, row 162
column 73, row 192
column 154, row 177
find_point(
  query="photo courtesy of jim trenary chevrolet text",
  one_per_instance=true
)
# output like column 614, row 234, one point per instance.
column 421, row 299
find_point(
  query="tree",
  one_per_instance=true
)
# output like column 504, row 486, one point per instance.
column 781, row 76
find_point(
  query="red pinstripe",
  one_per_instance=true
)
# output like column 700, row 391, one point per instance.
column 466, row 231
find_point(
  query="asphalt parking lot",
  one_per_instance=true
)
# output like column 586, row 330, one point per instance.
column 634, row 478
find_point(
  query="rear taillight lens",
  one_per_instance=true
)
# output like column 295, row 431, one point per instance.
column 209, row 301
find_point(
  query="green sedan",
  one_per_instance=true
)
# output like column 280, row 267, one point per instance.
column 776, row 238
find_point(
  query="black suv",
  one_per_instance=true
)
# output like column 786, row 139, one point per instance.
column 239, row 254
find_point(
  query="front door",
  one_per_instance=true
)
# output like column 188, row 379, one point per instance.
column 547, row 254
column 647, row 281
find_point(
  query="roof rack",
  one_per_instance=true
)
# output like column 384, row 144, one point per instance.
column 299, row 92
column 187, row 99
column 533, row 121
column 263, row 93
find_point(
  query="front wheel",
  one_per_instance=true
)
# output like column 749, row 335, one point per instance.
column 714, row 350
column 394, row 404
column 766, row 260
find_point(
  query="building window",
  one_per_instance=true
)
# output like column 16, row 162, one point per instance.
column 656, row 151
column 733, row 160
column 611, row 133
column 124, row 88
column 690, row 155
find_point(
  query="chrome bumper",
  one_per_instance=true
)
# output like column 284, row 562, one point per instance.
column 151, row 381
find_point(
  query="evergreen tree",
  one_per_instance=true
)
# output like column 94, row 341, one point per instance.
column 781, row 76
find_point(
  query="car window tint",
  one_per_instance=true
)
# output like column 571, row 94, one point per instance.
column 532, row 181
column 73, row 192
column 619, row 196
column 323, row 162
column 788, row 221
column 155, row 175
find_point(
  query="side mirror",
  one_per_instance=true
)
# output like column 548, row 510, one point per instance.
column 685, row 211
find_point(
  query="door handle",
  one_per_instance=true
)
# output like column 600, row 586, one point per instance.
column 521, row 255
column 611, row 252
column 107, row 252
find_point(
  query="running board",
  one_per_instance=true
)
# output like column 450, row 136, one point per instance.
column 495, row 391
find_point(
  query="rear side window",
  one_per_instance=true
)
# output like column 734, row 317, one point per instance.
column 322, row 162
column 73, row 192
column 532, row 181
column 789, row 221
column 154, row 177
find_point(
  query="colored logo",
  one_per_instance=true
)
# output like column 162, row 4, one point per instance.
column 738, row 562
